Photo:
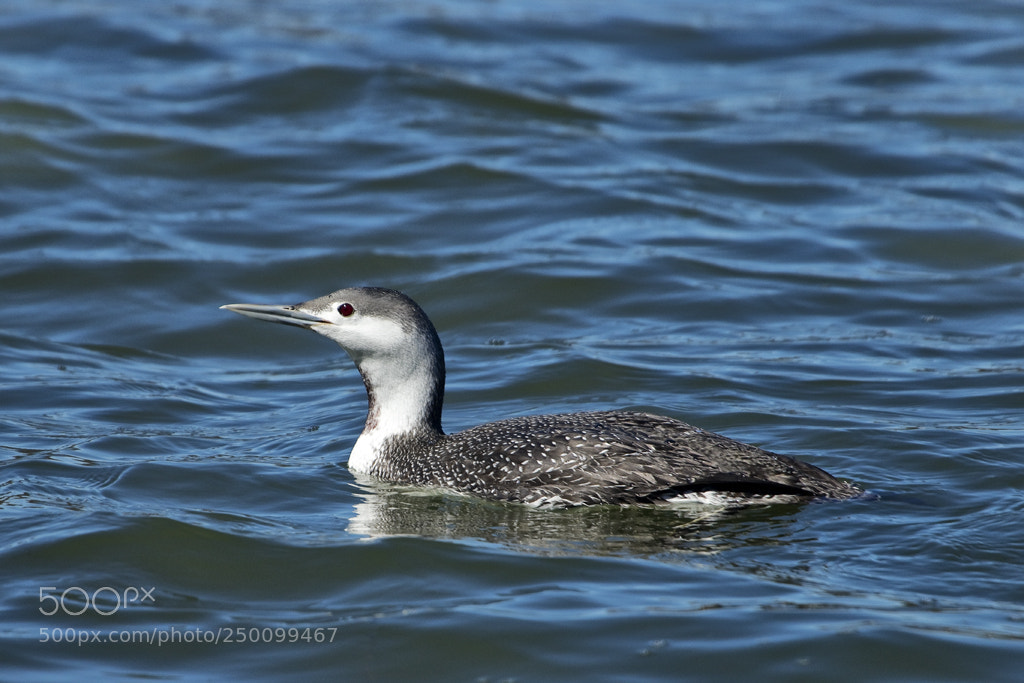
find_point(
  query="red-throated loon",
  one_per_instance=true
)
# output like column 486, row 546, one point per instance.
column 593, row 458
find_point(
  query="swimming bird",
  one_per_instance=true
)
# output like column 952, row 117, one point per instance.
column 552, row 461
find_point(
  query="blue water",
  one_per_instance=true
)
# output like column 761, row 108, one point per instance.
column 800, row 224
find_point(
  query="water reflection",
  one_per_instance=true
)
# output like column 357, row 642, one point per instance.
column 388, row 511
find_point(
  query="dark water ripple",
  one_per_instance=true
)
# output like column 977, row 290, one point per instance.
column 794, row 222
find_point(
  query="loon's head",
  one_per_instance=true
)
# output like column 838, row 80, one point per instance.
column 390, row 339
column 365, row 321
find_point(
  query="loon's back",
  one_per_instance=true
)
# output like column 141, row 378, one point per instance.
column 612, row 457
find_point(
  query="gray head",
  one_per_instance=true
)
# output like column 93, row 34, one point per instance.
column 391, row 341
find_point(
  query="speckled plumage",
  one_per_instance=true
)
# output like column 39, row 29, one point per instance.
column 612, row 457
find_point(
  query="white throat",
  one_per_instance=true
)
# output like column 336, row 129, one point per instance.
column 401, row 390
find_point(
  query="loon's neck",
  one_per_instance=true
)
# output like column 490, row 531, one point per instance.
column 405, row 395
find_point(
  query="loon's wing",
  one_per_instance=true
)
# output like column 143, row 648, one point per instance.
column 619, row 457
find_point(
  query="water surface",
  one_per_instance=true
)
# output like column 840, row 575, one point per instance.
column 796, row 223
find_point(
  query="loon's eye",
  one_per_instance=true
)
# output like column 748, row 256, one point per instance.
column 346, row 310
